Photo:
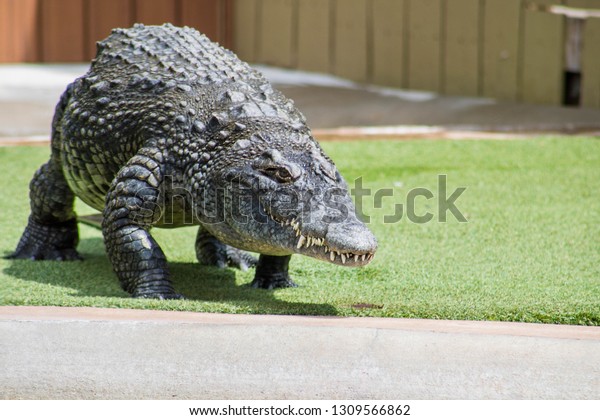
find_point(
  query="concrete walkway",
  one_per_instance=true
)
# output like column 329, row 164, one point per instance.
column 28, row 94
column 73, row 353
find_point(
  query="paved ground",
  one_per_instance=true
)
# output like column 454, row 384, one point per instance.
column 99, row 353
column 28, row 94
column 66, row 353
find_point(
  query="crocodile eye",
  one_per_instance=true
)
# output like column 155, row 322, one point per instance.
column 279, row 174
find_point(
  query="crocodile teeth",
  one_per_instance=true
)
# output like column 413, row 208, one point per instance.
column 300, row 241
column 363, row 256
column 355, row 258
column 343, row 258
column 332, row 256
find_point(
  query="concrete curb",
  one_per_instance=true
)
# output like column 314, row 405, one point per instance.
column 89, row 353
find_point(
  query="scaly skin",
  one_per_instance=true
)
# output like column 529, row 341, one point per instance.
column 168, row 129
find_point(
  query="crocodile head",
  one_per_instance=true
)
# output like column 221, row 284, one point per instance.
column 288, row 197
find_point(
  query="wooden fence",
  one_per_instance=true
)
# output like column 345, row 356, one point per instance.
column 67, row 30
column 494, row 48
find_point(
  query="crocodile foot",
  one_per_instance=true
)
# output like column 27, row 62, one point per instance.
column 48, row 242
column 214, row 253
column 160, row 293
column 240, row 259
column 272, row 273
column 276, row 281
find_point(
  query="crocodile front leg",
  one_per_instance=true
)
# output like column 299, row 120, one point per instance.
column 131, row 208
column 272, row 272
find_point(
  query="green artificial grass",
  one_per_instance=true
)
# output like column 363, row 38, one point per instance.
column 530, row 250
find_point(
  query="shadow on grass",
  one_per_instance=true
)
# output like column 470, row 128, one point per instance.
column 94, row 277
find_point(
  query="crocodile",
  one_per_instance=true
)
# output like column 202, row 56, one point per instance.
column 168, row 129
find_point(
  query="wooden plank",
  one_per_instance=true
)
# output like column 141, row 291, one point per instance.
column 6, row 31
column 103, row 16
column 461, row 45
column 590, row 70
column 574, row 12
column 424, row 47
column 314, row 35
column 204, row 15
column 350, row 51
column 275, row 32
column 501, row 49
column 388, row 42
column 62, row 42
column 245, row 29
column 583, row 4
column 543, row 57
column 19, row 31
column 155, row 12
column 25, row 29
column 227, row 24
